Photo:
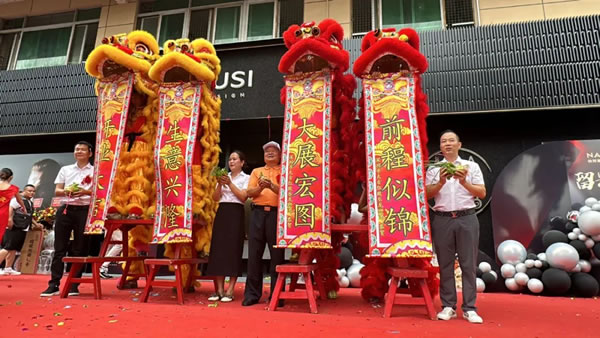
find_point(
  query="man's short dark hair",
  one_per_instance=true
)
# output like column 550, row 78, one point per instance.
column 450, row 131
column 85, row 143
column 29, row 185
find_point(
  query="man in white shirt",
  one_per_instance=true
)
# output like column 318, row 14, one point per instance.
column 75, row 183
column 455, row 227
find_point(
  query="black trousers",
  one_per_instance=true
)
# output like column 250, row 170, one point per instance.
column 74, row 220
column 263, row 229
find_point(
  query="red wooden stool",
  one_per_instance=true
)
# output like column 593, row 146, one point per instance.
column 153, row 264
column 309, row 293
column 415, row 277
column 77, row 264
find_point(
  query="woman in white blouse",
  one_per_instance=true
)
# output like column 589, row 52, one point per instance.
column 227, row 241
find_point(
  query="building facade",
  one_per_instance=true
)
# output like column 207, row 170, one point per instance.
column 505, row 74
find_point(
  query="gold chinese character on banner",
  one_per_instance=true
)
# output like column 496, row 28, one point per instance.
column 172, row 186
column 306, row 155
column 109, row 129
column 308, row 129
column 172, row 157
column 396, row 189
column 106, row 153
column 97, row 206
column 393, row 158
column 399, row 221
column 392, row 128
column 304, row 183
column 175, row 134
column 305, row 215
column 171, row 213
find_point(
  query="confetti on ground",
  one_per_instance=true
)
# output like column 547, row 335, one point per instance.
column 85, row 306
column 215, row 304
column 36, row 324
column 60, row 323
column 24, row 329
column 113, row 321
column 67, row 306
column 18, row 302
column 155, row 294
column 57, row 314
column 135, row 299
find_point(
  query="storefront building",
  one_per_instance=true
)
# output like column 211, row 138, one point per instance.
column 506, row 75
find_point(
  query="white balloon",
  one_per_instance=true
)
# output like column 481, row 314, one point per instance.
column 353, row 274
column 521, row 267
column 589, row 243
column 355, row 261
column 494, row 274
column 562, row 256
column 535, row 285
column 585, row 265
column 572, row 236
column 596, row 207
column 480, row 285
column 511, row 284
column 590, row 201
column 521, row 278
column 542, row 256
column 511, row 251
column 529, row 263
column 485, row 267
column 507, row 270
column 577, row 231
column 582, row 211
column 582, row 237
column 341, row 273
column 538, row 263
column 589, row 223
column 344, row 282
column 577, row 268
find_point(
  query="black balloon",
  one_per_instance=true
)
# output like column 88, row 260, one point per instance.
column 582, row 250
column 553, row 236
column 596, row 249
column 345, row 256
column 584, row 285
column 545, row 265
column 478, row 272
column 531, row 255
column 558, row 222
column 596, row 272
column 570, row 226
column 556, row 281
column 534, row 273
column 488, row 278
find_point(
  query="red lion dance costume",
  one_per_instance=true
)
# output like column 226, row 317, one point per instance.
column 389, row 51
column 317, row 49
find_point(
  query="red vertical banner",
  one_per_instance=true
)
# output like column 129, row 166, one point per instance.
column 398, row 219
column 114, row 93
column 179, row 112
column 304, row 219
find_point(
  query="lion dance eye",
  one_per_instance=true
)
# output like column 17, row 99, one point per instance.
column 140, row 47
column 298, row 33
column 316, row 31
column 377, row 33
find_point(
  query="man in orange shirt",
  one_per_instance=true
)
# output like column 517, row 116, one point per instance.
column 263, row 188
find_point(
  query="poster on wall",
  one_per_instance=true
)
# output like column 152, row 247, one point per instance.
column 583, row 170
column 37, row 169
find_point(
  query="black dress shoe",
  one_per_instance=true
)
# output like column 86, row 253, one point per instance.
column 249, row 302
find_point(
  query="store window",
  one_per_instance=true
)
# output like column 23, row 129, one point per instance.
column 48, row 40
column 418, row 14
column 220, row 21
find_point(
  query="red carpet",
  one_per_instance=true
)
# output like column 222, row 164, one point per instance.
column 119, row 314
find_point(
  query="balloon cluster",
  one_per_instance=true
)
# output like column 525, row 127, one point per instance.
column 486, row 276
column 348, row 275
column 566, row 266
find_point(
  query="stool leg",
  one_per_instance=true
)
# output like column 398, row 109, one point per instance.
column 320, row 285
column 390, row 297
column 96, row 278
column 179, row 281
column 310, row 292
column 65, row 291
column 278, row 286
column 124, row 275
column 428, row 300
column 293, row 282
column 151, row 274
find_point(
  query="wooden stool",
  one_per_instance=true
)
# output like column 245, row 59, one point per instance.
column 293, row 270
column 153, row 264
column 415, row 276
column 77, row 264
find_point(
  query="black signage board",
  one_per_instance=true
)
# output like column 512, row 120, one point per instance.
column 249, row 84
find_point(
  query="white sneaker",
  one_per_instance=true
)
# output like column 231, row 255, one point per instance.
column 2, row 273
column 472, row 317
column 447, row 313
column 10, row 271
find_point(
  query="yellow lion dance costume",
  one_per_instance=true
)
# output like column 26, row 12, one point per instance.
column 185, row 62
column 133, row 192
